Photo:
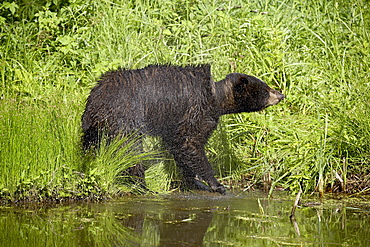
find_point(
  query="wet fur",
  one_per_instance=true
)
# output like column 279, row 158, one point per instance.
column 180, row 104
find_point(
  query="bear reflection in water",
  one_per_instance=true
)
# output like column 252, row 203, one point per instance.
column 182, row 105
column 177, row 232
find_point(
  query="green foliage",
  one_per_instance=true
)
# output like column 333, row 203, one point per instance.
column 316, row 52
column 114, row 158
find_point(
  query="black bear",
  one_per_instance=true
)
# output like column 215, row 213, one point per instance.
column 182, row 105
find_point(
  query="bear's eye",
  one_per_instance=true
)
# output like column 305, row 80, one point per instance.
column 241, row 86
column 244, row 81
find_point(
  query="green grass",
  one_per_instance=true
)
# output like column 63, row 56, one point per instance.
column 38, row 146
column 315, row 52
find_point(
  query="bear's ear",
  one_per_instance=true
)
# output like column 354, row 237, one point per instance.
column 240, row 87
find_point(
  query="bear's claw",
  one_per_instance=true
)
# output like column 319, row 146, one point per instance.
column 220, row 189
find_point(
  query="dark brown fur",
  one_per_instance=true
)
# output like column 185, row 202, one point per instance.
column 180, row 104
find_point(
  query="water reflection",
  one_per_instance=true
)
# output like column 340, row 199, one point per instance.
column 186, row 220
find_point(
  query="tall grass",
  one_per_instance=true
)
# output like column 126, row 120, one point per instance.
column 39, row 146
column 316, row 52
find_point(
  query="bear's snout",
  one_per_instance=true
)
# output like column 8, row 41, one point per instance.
column 274, row 98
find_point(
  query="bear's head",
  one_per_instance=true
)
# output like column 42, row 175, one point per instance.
column 245, row 93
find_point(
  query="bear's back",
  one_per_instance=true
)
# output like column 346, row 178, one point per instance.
column 153, row 99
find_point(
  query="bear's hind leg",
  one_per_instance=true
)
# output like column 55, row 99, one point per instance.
column 137, row 177
column 136, row 174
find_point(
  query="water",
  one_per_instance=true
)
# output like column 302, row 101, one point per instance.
column 188, row 220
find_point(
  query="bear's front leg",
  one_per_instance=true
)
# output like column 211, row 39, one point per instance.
column 191, row 158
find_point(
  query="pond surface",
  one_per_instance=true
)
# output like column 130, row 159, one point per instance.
column 201, row 219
